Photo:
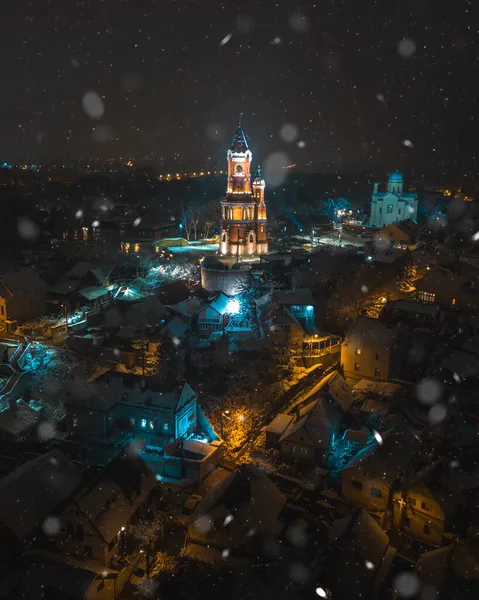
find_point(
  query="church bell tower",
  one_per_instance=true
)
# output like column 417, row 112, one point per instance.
column 243, row 210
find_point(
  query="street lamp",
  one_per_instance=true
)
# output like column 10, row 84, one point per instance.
column 65, row 308
column 223, row 414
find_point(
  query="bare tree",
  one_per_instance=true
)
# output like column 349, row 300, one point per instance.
column 191, row 218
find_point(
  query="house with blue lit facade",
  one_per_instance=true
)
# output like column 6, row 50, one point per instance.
column 394, row 204
column 118, row 405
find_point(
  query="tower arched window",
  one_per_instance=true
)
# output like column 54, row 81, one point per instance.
column 251, row 239
column 224, row 237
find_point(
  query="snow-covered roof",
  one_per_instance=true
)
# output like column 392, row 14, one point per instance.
column 370, row 331
column 189, row 307
column 177, row 327
column 220, row 303
column 16, row 420
column 465, row 364
column 389, row 460
column 379, row 388
column 17, row 282
column 252, row 498
column 81, row 268
column 415, row 307
column 70, row 576
column 279, row 424
column 316, row 423
column 115, row 495
column 299, row 297
column 93, row 293
column 65, row 288
column 34, row 490
column 366, row 536
column 107, row 391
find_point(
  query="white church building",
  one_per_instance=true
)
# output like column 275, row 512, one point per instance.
column 394, row 204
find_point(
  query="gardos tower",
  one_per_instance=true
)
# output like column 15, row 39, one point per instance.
column 243, row 211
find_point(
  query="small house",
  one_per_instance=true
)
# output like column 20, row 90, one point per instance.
column 373, row 350
column 370, row 477
column 22, row 296
column 96, row 521
column 307, row 439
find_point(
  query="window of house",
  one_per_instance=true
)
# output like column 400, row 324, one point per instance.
column 79, row 532
column 357, row 366
column 3, row 310
column 204, row 327
column 88, row 551
column 376, row 492
column 303, row 450
column 75, row 421
column 426, row 529
column 358, row 350
column 100, row 586
column 390, row 209
column 285, row 328
column 357, row 485
column 426, row 296
column 143, row 423
column 377, row 372
column 412, row 501
column 453, row 302
column 132, row 421
column 251, row 237
column 424, row 506
column 399, row 211
column 224, row 237
column 215, row 327
column 378, row 356
column 293, row 449
column 166, row 426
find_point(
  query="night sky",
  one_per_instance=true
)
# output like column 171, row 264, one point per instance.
column 364, row 82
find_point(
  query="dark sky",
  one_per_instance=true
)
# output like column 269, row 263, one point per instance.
column 356, row 78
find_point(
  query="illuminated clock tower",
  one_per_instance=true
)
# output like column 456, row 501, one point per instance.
column 243, row 211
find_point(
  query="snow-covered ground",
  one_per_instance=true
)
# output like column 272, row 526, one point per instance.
column 332, row 240
column 193, row 248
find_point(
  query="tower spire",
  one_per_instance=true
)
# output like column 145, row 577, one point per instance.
column 239, row 120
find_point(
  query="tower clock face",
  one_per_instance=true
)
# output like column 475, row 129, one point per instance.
column 239, row 169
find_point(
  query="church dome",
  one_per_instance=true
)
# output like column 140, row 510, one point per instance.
column 396, row 177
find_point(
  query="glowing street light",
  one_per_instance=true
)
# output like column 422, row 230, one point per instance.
column 225, row 415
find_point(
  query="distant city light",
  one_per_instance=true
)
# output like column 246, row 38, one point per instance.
column 321, row 592
column 378, row 437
